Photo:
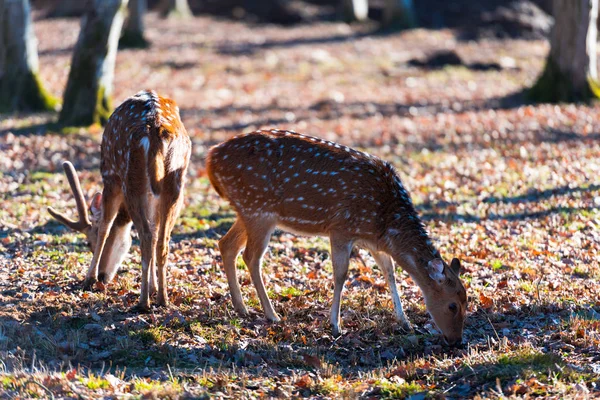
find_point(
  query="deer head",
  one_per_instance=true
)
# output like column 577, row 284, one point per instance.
column 446, row 299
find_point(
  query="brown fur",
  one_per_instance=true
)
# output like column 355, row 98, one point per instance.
column 144, row 158
column 308, row 185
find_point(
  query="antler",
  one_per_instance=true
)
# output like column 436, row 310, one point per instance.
column 84, row 220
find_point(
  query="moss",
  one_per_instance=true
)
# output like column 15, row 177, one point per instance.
column 86, row 101
column 553, row 86
column 176, row 10
column 25, row 92
column 103, row 107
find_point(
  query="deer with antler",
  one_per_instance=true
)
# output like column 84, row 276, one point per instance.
column 145, row 154
column 311, row 186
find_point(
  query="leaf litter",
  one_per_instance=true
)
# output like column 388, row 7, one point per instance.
column 510, row 188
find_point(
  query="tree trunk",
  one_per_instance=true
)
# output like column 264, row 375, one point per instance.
column 65, row 8
column 175, row 8
column 570, row 73
column 355, row 10
column 87, row 97
column 272, row 11
column 20, row 85
column 399, row 13
column 133, row 31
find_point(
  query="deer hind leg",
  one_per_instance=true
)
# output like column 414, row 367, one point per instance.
column 386, row 264
column 259, row 233
column 340, row 259
column 138, row 207
column 230, row 246
column 112, row 198
column 148, row 241
column 170, row 211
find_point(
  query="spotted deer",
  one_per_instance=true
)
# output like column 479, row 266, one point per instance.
column 310, row 186
column 145, row 153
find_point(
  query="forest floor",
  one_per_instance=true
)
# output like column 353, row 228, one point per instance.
column 511, row 189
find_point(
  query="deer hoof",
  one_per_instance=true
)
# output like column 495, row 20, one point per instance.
column 274, row 318
column 242, row 311
column 336, row 332
column 88, row 283
column 405, row 323
column 162, row 301
column 102, row 277
column 141, row 308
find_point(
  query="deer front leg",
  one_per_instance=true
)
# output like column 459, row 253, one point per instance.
column 111, row 202
column 340, row 258
column 259, row 233
column 230, row 246
column 386, row 264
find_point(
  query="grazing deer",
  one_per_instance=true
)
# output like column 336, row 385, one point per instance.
column 145, row 153
column 311, row 186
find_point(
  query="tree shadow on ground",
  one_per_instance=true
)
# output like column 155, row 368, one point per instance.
column 97, row 334
column 250, row 48
column 107, row 336
column 332, row 110
column 435, row 210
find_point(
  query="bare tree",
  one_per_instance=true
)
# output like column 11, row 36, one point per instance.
column 133, row 31
column 20, row 85
column 87, row 97
column 178, row 8
column 355, row 10
column 400, row 13
column 570, row 73
column 63, row 8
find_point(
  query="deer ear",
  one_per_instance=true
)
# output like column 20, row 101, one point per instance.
column 455, row 266
column 96, row 206
column 435, row 269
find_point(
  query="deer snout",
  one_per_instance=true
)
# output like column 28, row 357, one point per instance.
column 453, row 341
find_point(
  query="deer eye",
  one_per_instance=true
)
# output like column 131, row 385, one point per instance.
column 453, row 307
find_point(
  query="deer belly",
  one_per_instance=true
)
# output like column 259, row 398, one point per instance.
column 301, row 227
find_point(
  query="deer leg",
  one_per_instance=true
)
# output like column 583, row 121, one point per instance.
column 256, row 245
column 230, row 246
column 340, row 259
column 153, row 279
column 148, row 246
column 111, row 202
column 386, row 264
column 170, row 213
column 117, row 245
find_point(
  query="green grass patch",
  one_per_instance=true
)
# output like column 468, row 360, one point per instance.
column 148, row 336
column 95, row 383
column 397, row 390
column 497, row 265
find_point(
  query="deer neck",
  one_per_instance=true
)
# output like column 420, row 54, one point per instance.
column 415, row 267
column 410, row 247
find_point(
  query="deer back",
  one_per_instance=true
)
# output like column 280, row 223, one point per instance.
column 310, row 184
column 145, row 137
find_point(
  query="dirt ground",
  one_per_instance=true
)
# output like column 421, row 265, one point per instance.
column 511, row 189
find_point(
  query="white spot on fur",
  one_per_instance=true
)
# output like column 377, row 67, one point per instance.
column 145, row 143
